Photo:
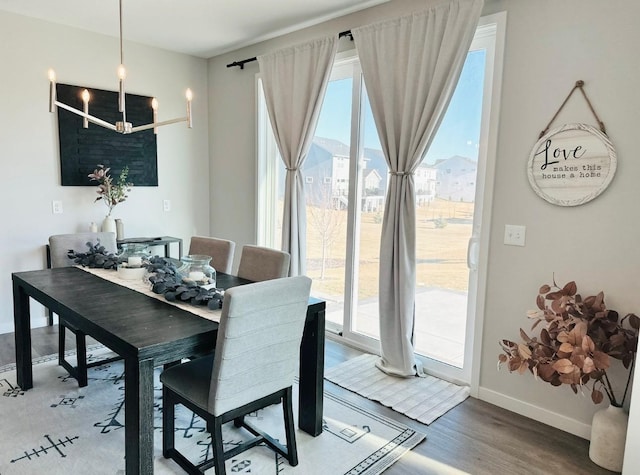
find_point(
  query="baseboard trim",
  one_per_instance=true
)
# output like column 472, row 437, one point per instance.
column 531, row 411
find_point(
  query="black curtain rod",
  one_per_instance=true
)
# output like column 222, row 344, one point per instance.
column 241, row 63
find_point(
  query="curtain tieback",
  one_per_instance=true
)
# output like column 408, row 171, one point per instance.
column 292, row 169
column 400, row 173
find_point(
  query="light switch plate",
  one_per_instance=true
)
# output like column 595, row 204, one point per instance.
column 166, row 205
column 514, row 235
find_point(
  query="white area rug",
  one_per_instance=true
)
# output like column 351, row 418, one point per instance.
column 422, row 399
column 58, row 428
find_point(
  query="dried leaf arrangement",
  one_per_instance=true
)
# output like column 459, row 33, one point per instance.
column 96, row 257
column 109, row 192
column 166, row 280
column 577, row 340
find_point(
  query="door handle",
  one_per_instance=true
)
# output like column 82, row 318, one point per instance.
column 472, row 253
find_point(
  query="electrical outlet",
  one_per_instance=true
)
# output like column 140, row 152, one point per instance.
column 166, row 205
column 56, row 207
column 514, row 235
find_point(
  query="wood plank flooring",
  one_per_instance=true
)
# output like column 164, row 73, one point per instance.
column 475, row 437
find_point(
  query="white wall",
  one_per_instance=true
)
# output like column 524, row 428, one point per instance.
column 29, row 155
column 549, row 45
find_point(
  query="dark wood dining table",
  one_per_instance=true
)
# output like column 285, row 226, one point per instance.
column 147, row 332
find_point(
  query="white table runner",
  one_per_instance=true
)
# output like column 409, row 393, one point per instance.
column 139, row 286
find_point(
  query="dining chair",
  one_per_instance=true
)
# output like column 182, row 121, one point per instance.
column 59, row 247
column 220, row 250
column 254, row 365
column 263, row 263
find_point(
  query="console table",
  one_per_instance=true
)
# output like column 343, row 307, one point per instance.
column 165, row 241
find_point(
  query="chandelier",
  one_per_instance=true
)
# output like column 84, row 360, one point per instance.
column 121, row 126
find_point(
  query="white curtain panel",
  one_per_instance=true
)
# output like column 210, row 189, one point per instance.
column 295, row 81
column 411, row 66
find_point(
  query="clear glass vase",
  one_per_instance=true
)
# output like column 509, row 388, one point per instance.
column 196, row 270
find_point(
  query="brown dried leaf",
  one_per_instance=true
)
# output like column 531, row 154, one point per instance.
column 599, row 301
column 588, row 366
column 601, row 360
column 563, row 366
column 524, row 351
column 571, row 378
column 587, row 344
column 566, row 348
column 544, row 289
column 524, row 336
column 546, row 371
column 514, row 363
column 544, row 336
column 580, row 330
column 596, row 396
column 563, row 337
column 570, row 288
column 540, row 302
column 523, row 367
column 634, row 321
column 578, row 360
column 502, row 358
column 554, row 295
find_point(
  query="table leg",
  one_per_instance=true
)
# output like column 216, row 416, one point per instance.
column 138, row 409
column 22, row 325
column 311, row 387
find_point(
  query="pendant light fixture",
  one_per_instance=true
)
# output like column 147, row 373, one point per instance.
column 121, row 126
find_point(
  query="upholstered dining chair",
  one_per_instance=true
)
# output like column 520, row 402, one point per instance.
column 254, row 365
column 220, row 250
column 59, row 247
column 263, row 263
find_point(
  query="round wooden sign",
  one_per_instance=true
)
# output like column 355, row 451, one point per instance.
column 571, row 165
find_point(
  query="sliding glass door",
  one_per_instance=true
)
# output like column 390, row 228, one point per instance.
column 346, row 178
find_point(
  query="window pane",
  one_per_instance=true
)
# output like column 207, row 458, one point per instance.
column 445, row 221
column 326, row 169
column 374, row 187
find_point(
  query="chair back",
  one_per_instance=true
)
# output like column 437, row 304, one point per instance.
column 258, row 343
column 61, row 244
column 263, row 263
column 220, row 250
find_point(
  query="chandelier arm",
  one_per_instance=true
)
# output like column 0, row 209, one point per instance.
column 123, row 126
column 89, row 117
column 158, row 124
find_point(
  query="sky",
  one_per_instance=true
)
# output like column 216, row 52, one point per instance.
column 459, row 132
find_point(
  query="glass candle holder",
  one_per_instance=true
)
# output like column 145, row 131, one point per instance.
column 196, row 270
column 134, row 254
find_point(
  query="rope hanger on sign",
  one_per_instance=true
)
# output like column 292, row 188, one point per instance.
column 579, row 85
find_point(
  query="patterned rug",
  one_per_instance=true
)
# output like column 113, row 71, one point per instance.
column 58, row 428
column 422, row 399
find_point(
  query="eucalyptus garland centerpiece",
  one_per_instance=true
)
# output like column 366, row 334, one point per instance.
column 166, row 280
column 96, row 257
column 162, row 274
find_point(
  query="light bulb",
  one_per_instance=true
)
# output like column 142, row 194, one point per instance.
column 154, row 104
column 122, row 72
column 189, row 95
column 85, row 96
column 52, row 75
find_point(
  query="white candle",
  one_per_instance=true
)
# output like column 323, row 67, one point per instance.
column 189, row 95
column 85, row 109
column 196, row 275
column 134, row 261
